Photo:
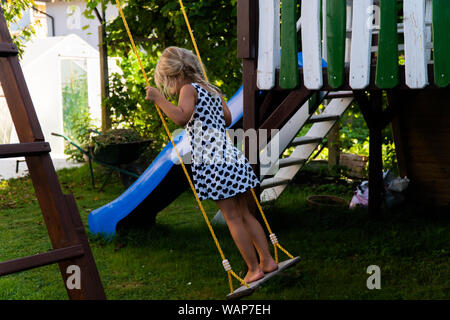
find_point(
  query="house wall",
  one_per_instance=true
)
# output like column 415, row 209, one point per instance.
column 70, row 20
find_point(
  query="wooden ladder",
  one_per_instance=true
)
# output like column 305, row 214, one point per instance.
column 66, row 231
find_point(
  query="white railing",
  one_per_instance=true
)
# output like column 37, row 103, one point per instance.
column 362, row 23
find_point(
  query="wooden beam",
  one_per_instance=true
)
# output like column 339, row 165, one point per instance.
column 266, row 104
column 371, row 109
column 57, row 213
column 8, row 49
column 287, row 108
column 91, row 282
column 246, row 27
column 372, row 86
column 247, row 51
column 395, row 99
column 24, row 149
column 39, row 260
column 269, row 102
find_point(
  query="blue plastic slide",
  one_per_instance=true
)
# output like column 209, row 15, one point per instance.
column 156, row 188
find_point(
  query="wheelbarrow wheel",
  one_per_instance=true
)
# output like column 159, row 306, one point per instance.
column 134, row 167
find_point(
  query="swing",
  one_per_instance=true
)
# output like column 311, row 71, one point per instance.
column 245, row 289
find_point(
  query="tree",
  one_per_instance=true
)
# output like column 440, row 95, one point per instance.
column 13, row 11
column 157, row 24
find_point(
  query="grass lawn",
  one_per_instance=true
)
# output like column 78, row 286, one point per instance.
column 177, row 259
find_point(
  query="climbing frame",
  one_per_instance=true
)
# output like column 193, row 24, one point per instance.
column 71, row 249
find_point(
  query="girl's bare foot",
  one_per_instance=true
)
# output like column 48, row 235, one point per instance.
column 268, row 266
column 254, row 276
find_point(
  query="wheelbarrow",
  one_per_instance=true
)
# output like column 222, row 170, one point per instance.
column 111, row 156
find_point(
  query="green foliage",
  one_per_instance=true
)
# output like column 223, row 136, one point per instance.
column 13, row 12
column 77, row 119
column 115, row 136
column 354, row 138
column 129, row 107
column 82, row 123
column 156, row 25
column 75, row 101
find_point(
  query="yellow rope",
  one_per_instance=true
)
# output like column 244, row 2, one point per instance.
column 206, row 78
column 230, row 272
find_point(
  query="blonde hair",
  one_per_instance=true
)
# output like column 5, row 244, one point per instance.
column 176, row 63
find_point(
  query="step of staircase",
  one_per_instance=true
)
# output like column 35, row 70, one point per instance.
column 305, row 140
column 287, row 162
column 339, row 94
column 305, row 146
column 323, row 117
column 273, row 182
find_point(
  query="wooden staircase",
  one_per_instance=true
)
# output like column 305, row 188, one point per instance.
column 71, row 249
column 277, row 172
column 285, row 169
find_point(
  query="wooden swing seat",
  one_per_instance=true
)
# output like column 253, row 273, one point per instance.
column 243, row 291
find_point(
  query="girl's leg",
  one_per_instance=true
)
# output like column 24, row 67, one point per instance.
column 267, row 263
column 234, row 218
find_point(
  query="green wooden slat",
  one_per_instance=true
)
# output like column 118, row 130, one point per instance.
column 441, row 36
column 387, row 74
column 289, row 75
column 336, row 30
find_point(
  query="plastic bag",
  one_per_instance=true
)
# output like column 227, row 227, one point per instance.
column 361, row 196
column 398, row 184
column 394, row 186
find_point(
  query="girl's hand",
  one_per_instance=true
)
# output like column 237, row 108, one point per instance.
column 152, row 94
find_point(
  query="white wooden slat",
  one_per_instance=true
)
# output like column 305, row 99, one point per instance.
column 415, row 57
column 269, row 43
column 311, row 44
column 428, row 31
column 349, row 21
column 361, row 44
column 277, row 43
column 324, row 30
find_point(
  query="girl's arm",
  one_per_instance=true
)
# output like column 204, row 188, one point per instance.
column 226, row 112
column 179, row 115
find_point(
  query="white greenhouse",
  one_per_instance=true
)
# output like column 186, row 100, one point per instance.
column 63, row 77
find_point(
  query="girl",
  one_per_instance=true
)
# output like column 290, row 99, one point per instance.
column 220, row 171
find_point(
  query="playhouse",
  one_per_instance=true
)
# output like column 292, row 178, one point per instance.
column 373, row 49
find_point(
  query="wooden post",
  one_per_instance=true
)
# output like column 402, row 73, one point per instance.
column 104, row 77
column 333, row 146
column 376, row 187
column 247, row 25
column 61, row 216
column 371, row 108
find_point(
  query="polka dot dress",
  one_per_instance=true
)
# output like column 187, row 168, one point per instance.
column 219, row 169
